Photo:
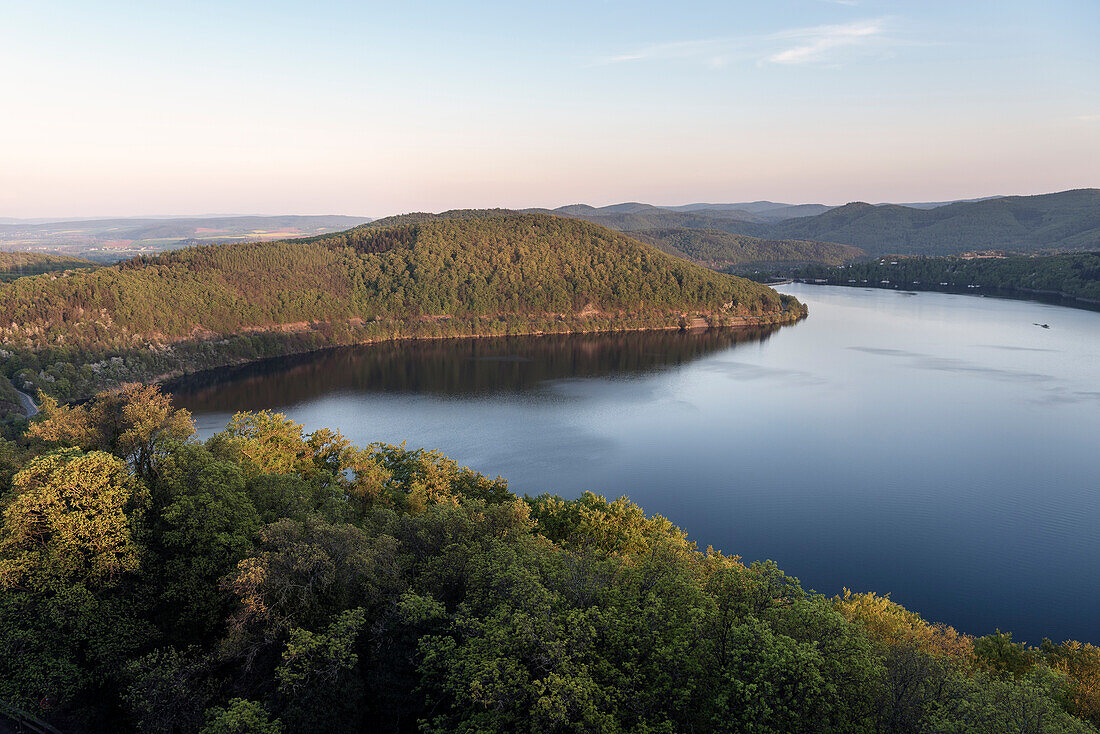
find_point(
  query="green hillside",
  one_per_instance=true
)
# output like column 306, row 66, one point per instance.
column 723, row 251
column 19, row 264
column 460, row 273
column 1065, row 221
column 1069, row 220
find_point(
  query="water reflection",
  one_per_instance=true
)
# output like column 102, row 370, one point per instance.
column 458, row 367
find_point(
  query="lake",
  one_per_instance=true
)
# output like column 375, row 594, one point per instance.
column 942, row 448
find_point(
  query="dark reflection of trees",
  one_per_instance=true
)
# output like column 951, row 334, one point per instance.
column 463, row 367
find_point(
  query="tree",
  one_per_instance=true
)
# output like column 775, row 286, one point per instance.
column 136, row 423
column 241, row 717
column 74, row 520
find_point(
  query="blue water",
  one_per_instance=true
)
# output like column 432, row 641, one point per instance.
column 941, row 448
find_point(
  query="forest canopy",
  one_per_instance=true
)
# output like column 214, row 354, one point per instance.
column 272, row 580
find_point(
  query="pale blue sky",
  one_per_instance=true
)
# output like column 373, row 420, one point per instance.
column 324, row 107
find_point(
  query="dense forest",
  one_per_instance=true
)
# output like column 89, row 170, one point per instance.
column 724, row 251
column 267, row 580
column 1073, row 277
column 1065, row 221
column 19, row 264
column 462, row 273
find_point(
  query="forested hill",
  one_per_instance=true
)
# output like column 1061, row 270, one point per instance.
column 465, row 273
column 1064, row 221
column 18, row 264
column 1069, row 220
column 724, row 251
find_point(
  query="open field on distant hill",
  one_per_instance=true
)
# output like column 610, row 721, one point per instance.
column 115, row 239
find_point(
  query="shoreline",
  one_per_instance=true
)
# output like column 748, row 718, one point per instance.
column 1051, row 298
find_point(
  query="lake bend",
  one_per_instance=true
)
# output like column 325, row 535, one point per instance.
column 941, row 448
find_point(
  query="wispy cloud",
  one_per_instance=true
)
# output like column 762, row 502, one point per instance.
column 665, row 51
column 811, row 45
column 1087, row 118
column 816, row 44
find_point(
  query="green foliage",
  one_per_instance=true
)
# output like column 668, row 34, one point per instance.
column 270, row 580
column 1000, row 656
column 241, row 717
column 1080, row 663
column 71, row 521
column 136, row 422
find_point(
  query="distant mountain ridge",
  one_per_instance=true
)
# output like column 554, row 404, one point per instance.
column 1060, row 222
column 1063, row 222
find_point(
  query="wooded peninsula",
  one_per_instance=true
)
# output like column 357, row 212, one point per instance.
column 463, row 273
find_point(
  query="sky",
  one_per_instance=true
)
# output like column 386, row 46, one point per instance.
column 144, row 108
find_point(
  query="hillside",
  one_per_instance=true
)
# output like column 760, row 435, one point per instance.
column 462, row 273
column 723, row 251
column 1065, row 221
column 18, row 264
column 268, row 581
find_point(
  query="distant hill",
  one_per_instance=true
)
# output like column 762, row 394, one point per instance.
column 725, row 251
column 937, row 204
column 1060, row 222
column 645, row 216
column 114, row 239
column 766, row 210
column 460, row 273
column 19, row 264
column 1066, row 221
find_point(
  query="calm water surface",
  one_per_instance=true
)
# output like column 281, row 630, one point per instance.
column 942, row 448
